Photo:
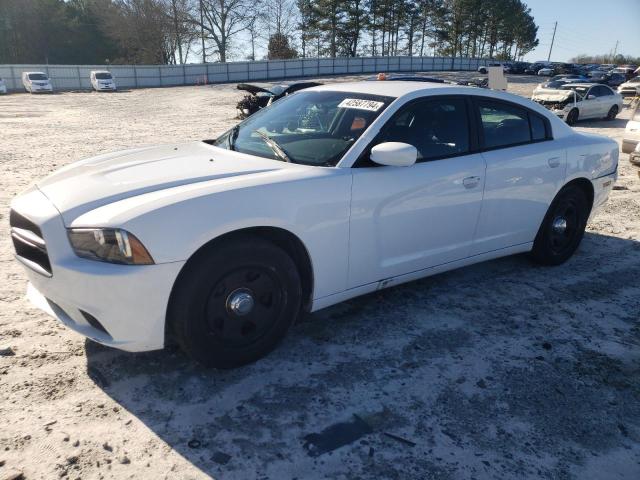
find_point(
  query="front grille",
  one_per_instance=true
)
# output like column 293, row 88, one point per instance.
column 29, row 243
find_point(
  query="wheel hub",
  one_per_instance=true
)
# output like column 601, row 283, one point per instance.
column 240, row 302
column 559, row 225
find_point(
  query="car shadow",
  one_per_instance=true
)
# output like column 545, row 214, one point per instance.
column 407, row 351
column 616, row 123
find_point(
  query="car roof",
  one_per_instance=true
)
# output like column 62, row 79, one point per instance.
column 100, row 71
column 387, row 89
column 29, row 73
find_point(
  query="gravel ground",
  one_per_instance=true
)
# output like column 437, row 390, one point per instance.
column 500, row 370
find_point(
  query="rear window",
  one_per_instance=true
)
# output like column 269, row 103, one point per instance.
column 103, row 76
column 38, row 76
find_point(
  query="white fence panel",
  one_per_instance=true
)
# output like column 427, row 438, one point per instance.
column 73, row 77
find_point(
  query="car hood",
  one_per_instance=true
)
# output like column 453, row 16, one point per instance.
column 551, row 95
column 97, row 181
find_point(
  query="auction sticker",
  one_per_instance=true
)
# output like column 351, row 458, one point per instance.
column 361, row 104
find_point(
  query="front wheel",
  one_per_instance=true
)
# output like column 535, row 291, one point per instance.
column 572, row 116
column 562, row 228
column 235, row 302
column 613, row 112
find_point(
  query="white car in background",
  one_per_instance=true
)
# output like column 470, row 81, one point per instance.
column 580, row 101
column 36, row 82
column 546, row 72
column 485, row 69
column 102, row 81
column 631, row 136
column 630, row 88
column 3, row 86
column 329, row 193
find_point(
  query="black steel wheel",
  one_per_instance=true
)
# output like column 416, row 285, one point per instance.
column 562, row 228
column 572, row 116
column 234, row 302
column 613, row 113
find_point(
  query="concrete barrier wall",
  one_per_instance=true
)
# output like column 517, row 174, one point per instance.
column 76, row 77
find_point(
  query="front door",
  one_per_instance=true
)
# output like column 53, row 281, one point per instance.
column 405, row 219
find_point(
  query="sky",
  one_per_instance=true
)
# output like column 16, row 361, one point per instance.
column 585, row 26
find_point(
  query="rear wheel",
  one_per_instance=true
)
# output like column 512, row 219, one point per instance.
column 235, row 302
column 613, row 112
column 572, row 116
column 562, row 228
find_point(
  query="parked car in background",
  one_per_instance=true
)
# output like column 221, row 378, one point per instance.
column 535, row 67
column 582, row 101
column 3, row 86
column 405, row 78
column 518, row 67
column 36, row 82
column 328, row 194
column 630, row 88
column 626, row 71
column 606, row 78
column 556, row 83
column 261, row 95
column 102, row 81
column 484, row 69
column 547, row 71
column 570, row 76
column 631, row 136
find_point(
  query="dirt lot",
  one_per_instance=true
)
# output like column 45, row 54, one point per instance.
column 500, row 370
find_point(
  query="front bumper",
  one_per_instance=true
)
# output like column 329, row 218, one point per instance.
column 121, row 306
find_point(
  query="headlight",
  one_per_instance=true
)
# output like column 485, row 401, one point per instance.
column 112, row 245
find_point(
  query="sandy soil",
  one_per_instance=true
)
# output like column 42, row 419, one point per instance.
column 500, row 370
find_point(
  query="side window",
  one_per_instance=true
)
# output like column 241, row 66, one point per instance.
column 538, row 127
column 604, row 91
column 437, row 128
column 595, row 91
column 503, row 125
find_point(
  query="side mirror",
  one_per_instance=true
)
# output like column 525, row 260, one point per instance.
column 394, row 154
column 591, row 97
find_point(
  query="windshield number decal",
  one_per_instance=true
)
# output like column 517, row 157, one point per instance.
column 360, row 104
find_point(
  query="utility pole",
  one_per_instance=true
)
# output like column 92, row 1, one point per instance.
column 204, row 53
column 615, row 50
column 552, row 39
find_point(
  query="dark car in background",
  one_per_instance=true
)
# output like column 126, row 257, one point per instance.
column 519, row 67
column 261, row 95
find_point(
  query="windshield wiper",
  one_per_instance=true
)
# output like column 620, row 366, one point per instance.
column 273, row 145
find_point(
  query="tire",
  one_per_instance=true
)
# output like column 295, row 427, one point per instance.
column 613, row 112
column 572, row 116
column 210, row 314
column 562, row 228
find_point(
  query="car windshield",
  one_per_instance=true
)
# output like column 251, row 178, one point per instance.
column 634, row 80
column 38, row 76
column 308, row 127
column 103, row 76
column 579, row 90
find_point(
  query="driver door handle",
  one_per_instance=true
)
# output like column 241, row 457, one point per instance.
column 554, row 162
column 470, row 182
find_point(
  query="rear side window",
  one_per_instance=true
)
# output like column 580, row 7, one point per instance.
column 504, row 125
column 538, row 127
column 437, row 128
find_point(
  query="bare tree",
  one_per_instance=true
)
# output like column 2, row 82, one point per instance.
column 222, row 21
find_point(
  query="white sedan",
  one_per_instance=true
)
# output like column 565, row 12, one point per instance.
column 329, row 193
column 580, row 101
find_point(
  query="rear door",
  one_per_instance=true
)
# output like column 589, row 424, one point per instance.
column 525, row 169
